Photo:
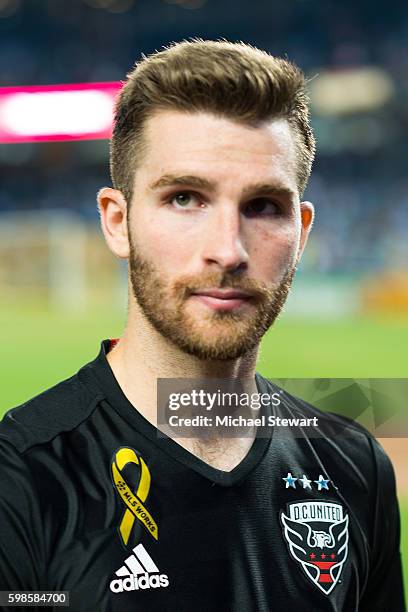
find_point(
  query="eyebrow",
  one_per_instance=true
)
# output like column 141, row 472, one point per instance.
column 172, row 180
column 269, row 189
column 198, row 182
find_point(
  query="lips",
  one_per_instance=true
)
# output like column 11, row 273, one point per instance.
column 222, row 299
column 224, row 294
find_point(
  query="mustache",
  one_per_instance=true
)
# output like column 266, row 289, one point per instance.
column 188, row 284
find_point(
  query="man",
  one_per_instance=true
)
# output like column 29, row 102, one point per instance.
column 211, row 152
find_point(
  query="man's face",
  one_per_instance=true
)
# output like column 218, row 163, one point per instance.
column 215, row 230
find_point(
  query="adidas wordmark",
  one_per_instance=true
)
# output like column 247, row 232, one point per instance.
column 139, row 572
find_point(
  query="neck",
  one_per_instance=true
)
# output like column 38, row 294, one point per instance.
column 143, row 355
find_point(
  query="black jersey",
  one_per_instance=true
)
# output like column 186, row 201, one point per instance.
column 93, row 502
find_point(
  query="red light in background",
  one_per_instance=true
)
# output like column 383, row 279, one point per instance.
column 81, row 111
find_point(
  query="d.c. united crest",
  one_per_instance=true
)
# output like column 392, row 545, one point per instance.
column 316, row 533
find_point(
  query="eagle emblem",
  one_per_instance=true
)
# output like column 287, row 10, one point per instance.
column 317, row 537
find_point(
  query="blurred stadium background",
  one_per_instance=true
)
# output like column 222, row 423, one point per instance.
column 61, row 291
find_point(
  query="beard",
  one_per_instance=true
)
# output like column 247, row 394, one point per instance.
column 212, row 335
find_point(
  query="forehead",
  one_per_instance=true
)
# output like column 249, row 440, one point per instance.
column 197, row 143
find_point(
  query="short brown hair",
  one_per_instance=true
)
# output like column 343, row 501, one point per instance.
column 231, row 80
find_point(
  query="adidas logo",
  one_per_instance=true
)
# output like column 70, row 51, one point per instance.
column 139, row 572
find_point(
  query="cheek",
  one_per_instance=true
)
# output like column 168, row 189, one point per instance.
column 274, row 250
column 165, row 248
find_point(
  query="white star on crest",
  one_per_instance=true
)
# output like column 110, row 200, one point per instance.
column 290, row 481
column 305, row 482
column 322, row 483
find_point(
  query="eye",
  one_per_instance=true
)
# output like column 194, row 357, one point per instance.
column 262, row 207
column 184, row 199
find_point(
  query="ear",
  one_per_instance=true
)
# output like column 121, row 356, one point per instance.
column 113, row 209
column 306, row 217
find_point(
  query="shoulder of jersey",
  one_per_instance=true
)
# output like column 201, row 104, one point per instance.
column 341, row 434
column 58, row 409
column 329, row 421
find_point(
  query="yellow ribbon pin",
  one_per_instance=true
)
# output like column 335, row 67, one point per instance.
column 133, row 501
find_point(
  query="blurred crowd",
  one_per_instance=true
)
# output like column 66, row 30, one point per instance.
column 359, row 184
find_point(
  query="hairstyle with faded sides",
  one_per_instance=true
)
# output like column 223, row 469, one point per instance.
column 230, row 80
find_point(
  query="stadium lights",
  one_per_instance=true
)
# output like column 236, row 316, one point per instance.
column 348, row 91
column 57, row 112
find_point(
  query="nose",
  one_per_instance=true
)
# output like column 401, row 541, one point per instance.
column 223, row 243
